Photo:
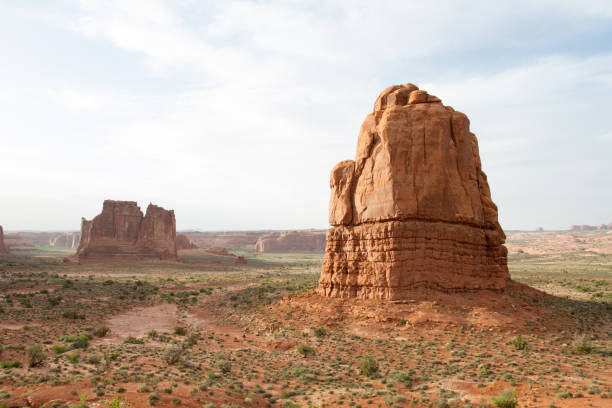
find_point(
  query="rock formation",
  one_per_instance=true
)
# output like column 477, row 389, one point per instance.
column 601, row 227
column 184, row 242
column 291, row 241
column 413, row 210
column 16, row 242
column 3, row 248
column 121, row 231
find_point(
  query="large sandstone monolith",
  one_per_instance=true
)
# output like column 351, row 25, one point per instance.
column 413, row 210
column 121, row 231
column 3, row 248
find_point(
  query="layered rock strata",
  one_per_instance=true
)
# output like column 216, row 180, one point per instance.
column 121, row 231
column 414, row 209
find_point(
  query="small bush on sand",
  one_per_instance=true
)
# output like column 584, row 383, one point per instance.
column 519, row 342
column 320, row 332
column 10, row 364
column 174, row 355
column 36, row 355
column 507, row 399
column 305, row 350
column 101, row 331
column 117, row 403
column 368, row 366
column 133, row 340
column 581, row 344
column 153, row 398
column 181, row 331
column 59, row 348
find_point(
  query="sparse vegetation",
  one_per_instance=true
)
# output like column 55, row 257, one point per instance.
column 507, row 399
column 238, row 341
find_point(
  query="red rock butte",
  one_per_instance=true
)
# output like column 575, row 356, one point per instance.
column 121, row 231
column 413, row 211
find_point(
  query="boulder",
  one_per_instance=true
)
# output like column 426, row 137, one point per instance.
column 414, row 209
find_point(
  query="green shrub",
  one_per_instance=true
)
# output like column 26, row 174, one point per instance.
column 305, row 350
column 54, row 301
column 80, row 342
column 173, row 355
column 72, row 314
column 581, row 344
column 368, row 366
column 59, row 348
column 320, row 332
column 133, row 340
column 10, row 364
column 153, row 398
column 519, row 342
column 117, row 403
column 507, row 399
column 224, row 365
column 404, row 378
column 73, row 358
column 144, row 388
column 36, row 355
column 179, row 330
column 101, row 331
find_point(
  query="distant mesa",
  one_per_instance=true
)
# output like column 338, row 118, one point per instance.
column 602, row 227
column 540, row 229
column 121, row 231
column 413, row 210
column 184, row 242
column 16, row 242
column 291, row 241
column 3, row 248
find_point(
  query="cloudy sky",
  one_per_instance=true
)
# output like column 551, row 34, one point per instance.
column 233, row 112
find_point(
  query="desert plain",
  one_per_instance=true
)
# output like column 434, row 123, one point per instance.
column 205, row 331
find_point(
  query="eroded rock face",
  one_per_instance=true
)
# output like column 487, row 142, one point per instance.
column 414, row 209
column 184, row 242
column 121, row 231
column 3, row 248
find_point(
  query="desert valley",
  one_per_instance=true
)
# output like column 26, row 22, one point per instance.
column 415, row 297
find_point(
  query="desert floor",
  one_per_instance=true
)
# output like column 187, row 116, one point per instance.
column 206, row 332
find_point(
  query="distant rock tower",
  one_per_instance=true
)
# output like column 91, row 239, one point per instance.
column 413, row 210
column 3, row 248
column 121, row 231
